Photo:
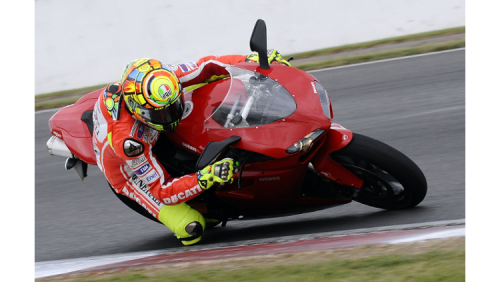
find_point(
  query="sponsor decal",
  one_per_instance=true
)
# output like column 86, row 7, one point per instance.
column 151, row 176
column 173, row 67
column 184, row 67
column 269, row 178
column 153, row 135
column 100, row 124
column 96, row 149
column 97, row 154
column 189, row 146
column 57, row 134
column 134, row 163
column 136, row 123
column 146, row 133
column 183, row 195
column 328, row 175
column 139, row 184
column 174, row 124
column 140, row 131
column 192, row 65
column 164, row 91
column 143, row 169
column 314, row 87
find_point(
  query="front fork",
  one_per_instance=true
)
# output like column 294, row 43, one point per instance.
column 337, row 138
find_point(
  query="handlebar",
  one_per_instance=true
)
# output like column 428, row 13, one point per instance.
column 253, row 90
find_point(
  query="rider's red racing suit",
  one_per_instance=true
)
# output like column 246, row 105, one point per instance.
column 142, row 178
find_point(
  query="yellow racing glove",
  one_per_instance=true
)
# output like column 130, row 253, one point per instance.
column 273, row 57
column 220, row 172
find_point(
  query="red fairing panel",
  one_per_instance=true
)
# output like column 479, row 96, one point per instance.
column 67, row 125
column 337, row 138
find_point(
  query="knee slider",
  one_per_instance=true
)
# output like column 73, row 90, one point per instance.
column 195, row 229
column 185, row 222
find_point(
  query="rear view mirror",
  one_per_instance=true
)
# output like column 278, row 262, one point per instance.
column 258, row 43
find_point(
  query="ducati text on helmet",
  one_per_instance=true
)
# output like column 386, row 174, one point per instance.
column 152, row 94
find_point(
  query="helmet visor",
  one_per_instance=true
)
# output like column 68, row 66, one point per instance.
column 165, row 116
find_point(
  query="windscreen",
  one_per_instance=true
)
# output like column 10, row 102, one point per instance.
column 253, row 99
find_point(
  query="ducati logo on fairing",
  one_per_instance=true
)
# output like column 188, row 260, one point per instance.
column 314, row 87
column 269, row 178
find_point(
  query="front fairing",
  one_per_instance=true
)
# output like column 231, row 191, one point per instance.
column 253, row 100
column 296, row 113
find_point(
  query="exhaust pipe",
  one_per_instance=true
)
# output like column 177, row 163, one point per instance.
column 57, row 147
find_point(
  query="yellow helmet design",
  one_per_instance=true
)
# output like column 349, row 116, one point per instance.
column 152, row 94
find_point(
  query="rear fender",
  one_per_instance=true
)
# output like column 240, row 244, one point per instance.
column 337, row 138
column 73, row 125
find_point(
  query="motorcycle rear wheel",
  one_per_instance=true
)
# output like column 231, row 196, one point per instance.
column 391, row 180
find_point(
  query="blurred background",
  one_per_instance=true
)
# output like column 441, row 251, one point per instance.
column 86, row 43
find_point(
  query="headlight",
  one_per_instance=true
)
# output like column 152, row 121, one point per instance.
column 304, row 144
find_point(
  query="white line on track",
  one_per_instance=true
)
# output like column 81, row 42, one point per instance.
column 458, row 232
column 46, row 111
column 58, row 267
column 388, row 60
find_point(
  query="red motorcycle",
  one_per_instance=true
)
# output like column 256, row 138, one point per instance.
column 276, row 122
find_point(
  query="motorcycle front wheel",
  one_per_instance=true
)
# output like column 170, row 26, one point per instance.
column 390, row 179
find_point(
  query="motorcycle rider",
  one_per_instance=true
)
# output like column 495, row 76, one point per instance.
column 129, row 117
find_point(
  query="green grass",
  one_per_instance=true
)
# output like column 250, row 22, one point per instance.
column 430, row 266
column 365, row 45
column 65, row 93
column 62, row 98
column 56, row 104
column 394, row 53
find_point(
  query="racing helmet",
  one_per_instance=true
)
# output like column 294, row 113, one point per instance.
column 152, row 94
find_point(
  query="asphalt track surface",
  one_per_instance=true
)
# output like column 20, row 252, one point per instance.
column 415, row 104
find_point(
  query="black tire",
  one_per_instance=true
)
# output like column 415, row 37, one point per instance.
column 391, row 179
column 134, row 205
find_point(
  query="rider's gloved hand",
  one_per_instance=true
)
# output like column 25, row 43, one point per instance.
column 273, row 57
column 220, row 172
